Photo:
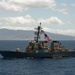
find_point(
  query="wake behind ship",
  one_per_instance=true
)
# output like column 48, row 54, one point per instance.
column 40, row 49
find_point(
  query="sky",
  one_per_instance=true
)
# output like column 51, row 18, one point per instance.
column 56, row 16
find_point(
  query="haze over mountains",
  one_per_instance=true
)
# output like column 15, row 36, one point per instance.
column 6, row 34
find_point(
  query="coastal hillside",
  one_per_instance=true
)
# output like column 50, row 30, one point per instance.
column 6, row 34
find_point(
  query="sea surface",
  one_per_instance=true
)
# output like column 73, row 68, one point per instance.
column 46, row 66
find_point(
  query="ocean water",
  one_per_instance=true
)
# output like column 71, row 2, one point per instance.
column 47, row 66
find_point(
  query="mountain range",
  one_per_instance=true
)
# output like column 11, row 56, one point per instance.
column 6, row 34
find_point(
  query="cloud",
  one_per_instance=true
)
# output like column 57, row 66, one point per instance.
column 59, row 31
column 52, row 20
column 27, row 20
column 6, row 6
column 20, row 5
column 28, row 23
column 66, row 32
column 63, row 11
column 63, row 8
column 55, row 20
column 35, row 3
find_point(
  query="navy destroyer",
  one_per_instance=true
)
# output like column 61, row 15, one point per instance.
column 40, row 49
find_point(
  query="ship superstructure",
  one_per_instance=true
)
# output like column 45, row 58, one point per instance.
column 42, row 46
column 37, row 45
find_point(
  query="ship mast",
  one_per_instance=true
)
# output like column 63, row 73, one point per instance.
column 37, row 33
column 39, row 27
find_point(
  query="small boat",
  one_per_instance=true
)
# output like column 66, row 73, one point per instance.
column 40, row 49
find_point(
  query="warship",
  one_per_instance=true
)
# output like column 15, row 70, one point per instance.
column 40, row 48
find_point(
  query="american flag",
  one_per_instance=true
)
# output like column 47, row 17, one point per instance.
column 47, row 38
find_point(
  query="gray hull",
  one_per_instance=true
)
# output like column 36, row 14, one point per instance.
column 14, row 54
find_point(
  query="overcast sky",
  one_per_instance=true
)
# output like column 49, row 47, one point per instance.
column 56, row 16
